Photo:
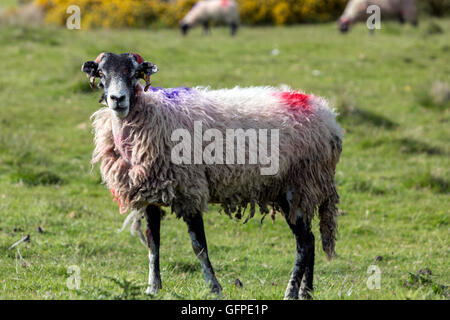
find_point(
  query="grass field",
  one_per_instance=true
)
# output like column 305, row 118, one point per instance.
column 393, row 176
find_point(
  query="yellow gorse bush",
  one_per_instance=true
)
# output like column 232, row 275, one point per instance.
column 142, row 13
column 106, row 13
column 282, row 12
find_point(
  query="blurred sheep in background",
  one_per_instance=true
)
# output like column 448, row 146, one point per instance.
column 225, row 11
column 356, row 11
column 26, row 13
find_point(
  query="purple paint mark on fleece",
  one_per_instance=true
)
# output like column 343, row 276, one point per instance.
column 172, row 93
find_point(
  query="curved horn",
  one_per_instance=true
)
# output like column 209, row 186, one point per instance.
column 92, row 79
column 139, row 59
column 99, row 57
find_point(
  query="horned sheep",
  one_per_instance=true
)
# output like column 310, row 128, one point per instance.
column 135, row 138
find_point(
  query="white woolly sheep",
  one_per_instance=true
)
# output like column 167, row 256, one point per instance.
column 225, row 11
column 26, row 14
column 138, row 133
column 356, row 11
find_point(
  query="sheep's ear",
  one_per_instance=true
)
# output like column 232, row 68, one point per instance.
column 91, row 70
column 146, row 69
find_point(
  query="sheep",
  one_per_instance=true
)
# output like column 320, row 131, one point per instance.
column 356, row 11
column 204, row 11
column 139, row 131
column 24, row 14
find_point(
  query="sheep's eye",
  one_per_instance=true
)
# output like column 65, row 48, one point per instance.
column 100, row 73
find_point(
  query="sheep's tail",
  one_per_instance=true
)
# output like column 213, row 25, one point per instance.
column 134, row 218
column 328, row 226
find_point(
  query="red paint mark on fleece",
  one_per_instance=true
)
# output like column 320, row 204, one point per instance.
column 117, row 199
column 224, row 3
column 296, row 100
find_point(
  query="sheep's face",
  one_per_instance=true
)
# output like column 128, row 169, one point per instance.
column 344, row 25
column 184, row 27
column 119, row 75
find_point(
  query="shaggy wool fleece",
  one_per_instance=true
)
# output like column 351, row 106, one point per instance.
column 136, row 163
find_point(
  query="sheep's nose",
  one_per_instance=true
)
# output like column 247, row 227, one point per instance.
column 117, row 99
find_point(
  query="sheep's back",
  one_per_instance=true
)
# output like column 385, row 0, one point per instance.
column 309, row 148
column 357, row 9
column 309, row 137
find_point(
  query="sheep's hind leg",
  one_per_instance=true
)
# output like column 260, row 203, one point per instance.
column 153, row 217
column 300, row 284
column 234, row 28
column 198, row 240
column 206, row 29
column 306, row 287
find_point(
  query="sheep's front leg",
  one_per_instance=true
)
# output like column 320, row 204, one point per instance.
column 198, row 240
column 153, row 217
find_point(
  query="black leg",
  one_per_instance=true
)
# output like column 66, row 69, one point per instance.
column 198, row 240
column 300, row 284
column 205, row 27
column 153, row 217
column 306, row 287
column 234, row 28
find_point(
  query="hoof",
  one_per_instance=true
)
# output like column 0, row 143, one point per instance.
column 217, row 290
column 152, row 290
column 292, row 290
column 305, row 295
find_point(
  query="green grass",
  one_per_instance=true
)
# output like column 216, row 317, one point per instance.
column 393, row 176
column 8, row 3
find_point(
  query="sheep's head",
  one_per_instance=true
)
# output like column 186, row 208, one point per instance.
column 184, row 27
column 344, row 24
column 119, row 76
column 191, row 18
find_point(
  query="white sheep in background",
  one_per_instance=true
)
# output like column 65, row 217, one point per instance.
column 24, row 14
column 134, row 143
column 356, row 11
column 224, row 11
